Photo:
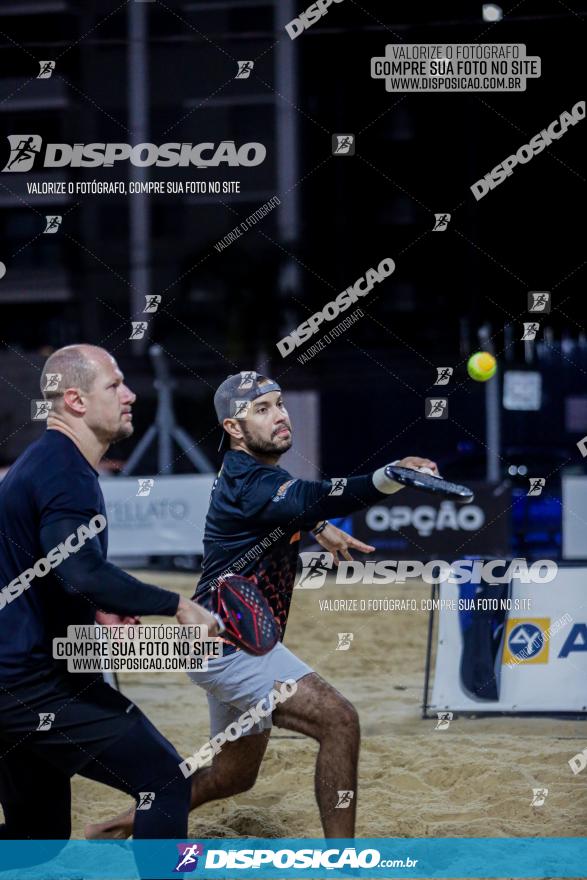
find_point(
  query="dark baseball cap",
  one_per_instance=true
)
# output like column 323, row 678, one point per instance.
column 232, row 394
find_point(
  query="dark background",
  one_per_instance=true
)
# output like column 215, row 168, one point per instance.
column 416, row 154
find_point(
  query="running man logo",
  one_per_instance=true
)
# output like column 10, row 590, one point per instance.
column 338, row 485
column 344, row 641
column 145, row 487
column 40, row 410
column 52, row 381
column 315, row 567
column 441, row 222
column 244, row 69
column 444, row 719
column 436, row 408
column 539, row 796
column 24, row 148
column 343, row 145
column 46, row 68
column 530, row 331
column 344, row 799
column 536, row 486
column 240, row 408
column 146, row 799
column 152, row 303
column 46, row 719
column 53, row 224
column 139, row 328
column 539, row 301
column 444, row 374
column 247, row 381
column 188, row 857
column 525, row 642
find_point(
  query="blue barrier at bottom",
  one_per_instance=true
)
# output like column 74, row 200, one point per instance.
column 227, row 859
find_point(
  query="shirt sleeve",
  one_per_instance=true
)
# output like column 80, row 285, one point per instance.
column 74, row 500
column 274, row 497
column 76, row 494
column 86, row 573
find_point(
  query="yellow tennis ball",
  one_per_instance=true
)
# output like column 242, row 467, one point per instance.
column 481, row 366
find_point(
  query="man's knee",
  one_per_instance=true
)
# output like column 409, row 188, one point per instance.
column 164, row 778
column 343, row 718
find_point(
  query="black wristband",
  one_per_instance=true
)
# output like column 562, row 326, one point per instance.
column 319, row 528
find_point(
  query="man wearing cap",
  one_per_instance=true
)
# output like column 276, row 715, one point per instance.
column 253, row 498
column 256, row 512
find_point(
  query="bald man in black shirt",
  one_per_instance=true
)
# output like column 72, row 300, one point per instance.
column 54, row 724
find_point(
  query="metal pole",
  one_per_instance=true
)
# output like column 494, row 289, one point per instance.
column 433, row 594
column 139, row 203
column 492, row 414
column 286, row 85
column 287, row 139
column 164, row 424
column 165, row 430
column 493, row 427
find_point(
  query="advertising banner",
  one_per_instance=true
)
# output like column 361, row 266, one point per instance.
column 541, row 663
column 431, row 526
column 151, row 516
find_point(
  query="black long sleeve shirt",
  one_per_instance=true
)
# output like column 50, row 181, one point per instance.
column 49, row 492
column 254, row 521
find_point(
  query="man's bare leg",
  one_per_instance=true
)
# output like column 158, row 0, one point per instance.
column 233, row 770
column 318, row 710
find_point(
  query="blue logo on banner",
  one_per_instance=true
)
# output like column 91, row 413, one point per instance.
column 526, row 639
column 577, row 640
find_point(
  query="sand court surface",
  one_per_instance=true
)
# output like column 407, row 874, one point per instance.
column 473, row 780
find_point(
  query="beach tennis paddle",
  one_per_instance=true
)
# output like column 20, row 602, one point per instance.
column 244, row 613
column 429, row 483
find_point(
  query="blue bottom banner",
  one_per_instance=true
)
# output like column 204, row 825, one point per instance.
column 227, row 859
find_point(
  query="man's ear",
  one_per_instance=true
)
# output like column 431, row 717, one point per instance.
column 73, row 401
column 233, row 427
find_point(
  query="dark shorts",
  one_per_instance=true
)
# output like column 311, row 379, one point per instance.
column 36, row 795
column 66, row 720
